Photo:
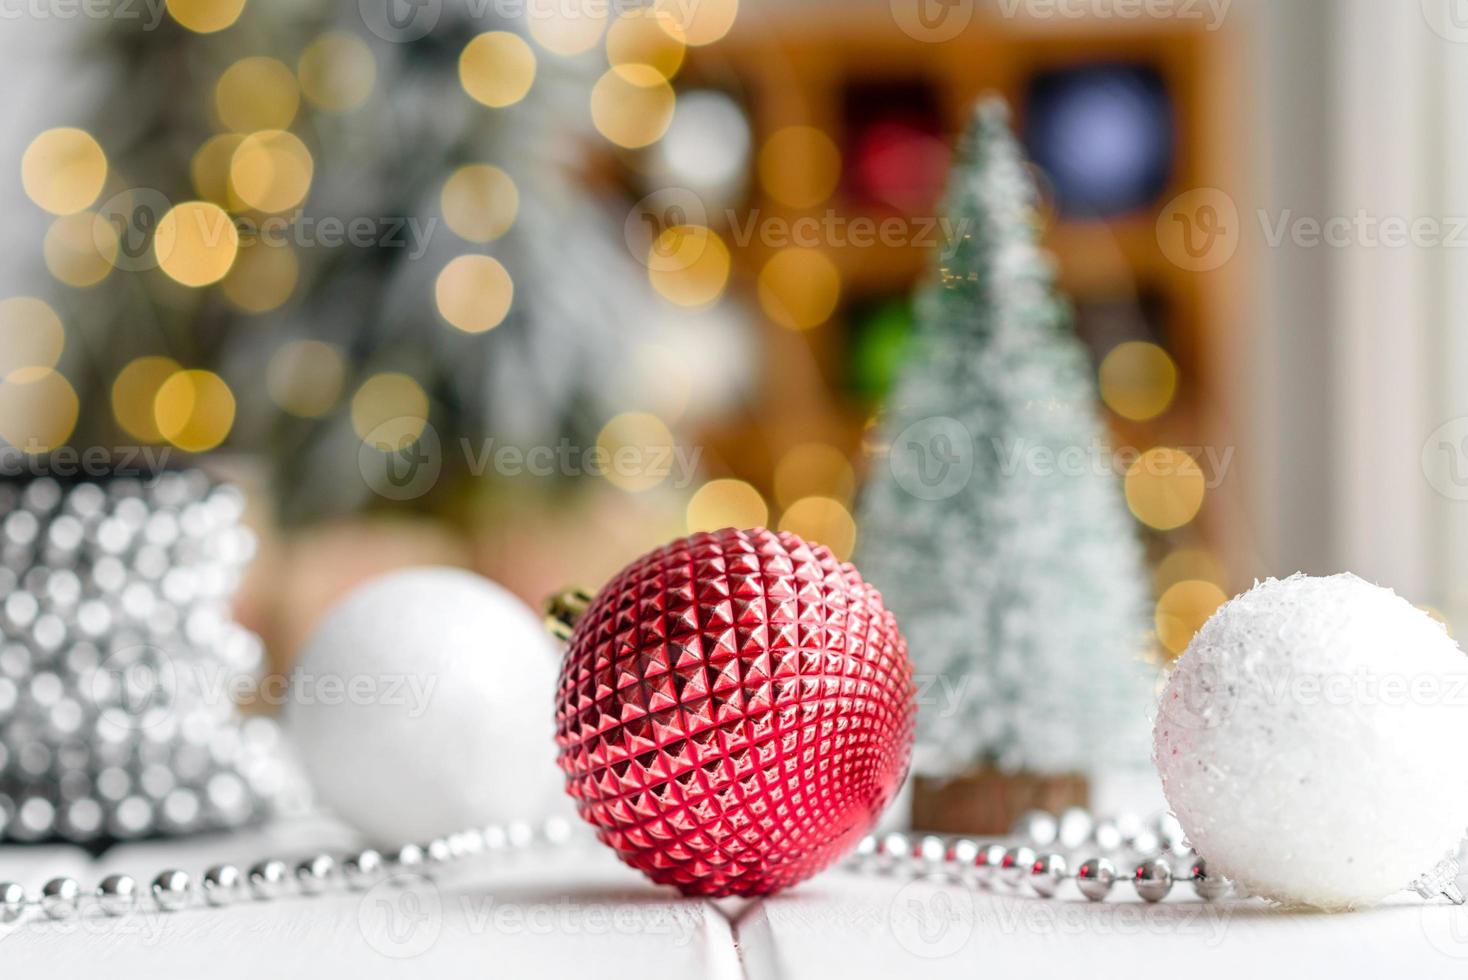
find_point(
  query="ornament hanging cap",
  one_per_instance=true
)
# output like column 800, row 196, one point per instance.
column 563, row 609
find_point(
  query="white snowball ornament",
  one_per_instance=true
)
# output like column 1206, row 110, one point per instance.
column 1309, row 741
column 424, row 704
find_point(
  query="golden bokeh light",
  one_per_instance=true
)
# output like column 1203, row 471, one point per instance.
column 726, row 503
column 79, row 250
column 1165, row 488
column 262, row 278
column 799, row 166
column 31, row 338
column 63, row 170
column 688, row 265
column 646, row 36
column 209, row 170
column 701, row 22
column 271, row 170
column 479, row 202
column 390, row 410
column 1187, row 563
column 256, row 93
column 196, row 243
column 568, row 27
column 799, row 288
column 337, row 71
column 205, row 16
column 632, row 105
column 194, row 410
column 497, row 68
column 1138, row 380
column 474, row 293
column 135, row 392
column 38, row 410
column 306, row 378
column 822, row 520
column 1183, row 609
column 814, row 469
column 638, row 450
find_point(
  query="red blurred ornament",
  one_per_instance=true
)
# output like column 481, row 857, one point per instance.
column 734, row 712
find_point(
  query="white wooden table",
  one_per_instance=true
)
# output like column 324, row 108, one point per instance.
column 576, row 910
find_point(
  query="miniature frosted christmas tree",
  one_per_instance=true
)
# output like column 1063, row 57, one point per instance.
column 996, row 527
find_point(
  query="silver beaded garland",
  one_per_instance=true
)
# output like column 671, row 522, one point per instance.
column 12, row 901
column 59, row 898
column 437, row 851
column 1000, row 868
column 223, row 884
column 115, row 632
column 1152, row 879
column 931, row 848
column 409, row 856
column 1016, row 863
column 362, row 869
column 117, row 894
column 1095, row 877
column 1038, row 827
column 990, row 861
column 171, row 890
column 315, row 874
column 1046, row 873
column 963, row 851
column 1208, row 887
column 268, row 879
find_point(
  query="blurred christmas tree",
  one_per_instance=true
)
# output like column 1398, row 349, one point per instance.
column 997, row 533
column 384, row 223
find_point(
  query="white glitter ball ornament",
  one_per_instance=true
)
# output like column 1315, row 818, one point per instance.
column 1310, row 742
column 423, row 705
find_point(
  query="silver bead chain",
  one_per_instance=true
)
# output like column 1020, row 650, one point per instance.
column 1158, row 855
column 272, row 877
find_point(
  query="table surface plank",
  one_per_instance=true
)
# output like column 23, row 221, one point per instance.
column 549, row 912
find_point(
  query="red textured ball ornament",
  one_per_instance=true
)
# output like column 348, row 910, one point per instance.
column 735, row 710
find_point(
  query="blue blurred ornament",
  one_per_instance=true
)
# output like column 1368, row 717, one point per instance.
column 1105, row 136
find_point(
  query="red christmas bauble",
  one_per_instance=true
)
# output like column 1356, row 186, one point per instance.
column 734, row 711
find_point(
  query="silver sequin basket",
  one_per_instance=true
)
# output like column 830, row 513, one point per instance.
column 120, row 664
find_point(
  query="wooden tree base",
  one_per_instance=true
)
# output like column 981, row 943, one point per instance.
column 987, row 802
